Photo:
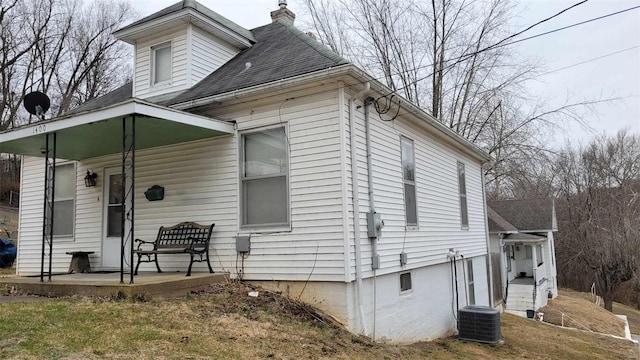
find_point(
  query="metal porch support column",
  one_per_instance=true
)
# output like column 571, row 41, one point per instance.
column 128, row 191
column 48, row 204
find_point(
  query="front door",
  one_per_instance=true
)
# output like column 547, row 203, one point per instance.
column 112, row 227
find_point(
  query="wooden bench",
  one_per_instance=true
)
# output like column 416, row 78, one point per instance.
column 183, row 238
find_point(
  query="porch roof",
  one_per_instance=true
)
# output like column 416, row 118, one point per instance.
column 522, row 238
column 99, row 132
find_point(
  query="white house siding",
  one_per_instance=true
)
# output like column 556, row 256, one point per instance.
column 201, row 184
column 314, row 246
column 439, row 225
column 208, row 53
column 142, row 68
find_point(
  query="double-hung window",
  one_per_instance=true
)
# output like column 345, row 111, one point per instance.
column 161, row 63
column 264, row 178
column 462, row 192
column 64, row 200
column 409, row 181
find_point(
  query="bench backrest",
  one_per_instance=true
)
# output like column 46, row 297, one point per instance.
column 183, row 235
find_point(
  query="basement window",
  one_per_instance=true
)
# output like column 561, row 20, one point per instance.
column 470, row 283
column 405, row 282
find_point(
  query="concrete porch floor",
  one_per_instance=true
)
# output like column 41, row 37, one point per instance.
column 149, row 284
column 522, row 281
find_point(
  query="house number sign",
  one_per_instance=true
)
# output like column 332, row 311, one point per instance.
column 39, row 129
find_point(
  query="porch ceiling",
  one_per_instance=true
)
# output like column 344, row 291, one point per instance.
column 99, row 132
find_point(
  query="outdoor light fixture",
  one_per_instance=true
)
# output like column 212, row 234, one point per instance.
column 90, row 178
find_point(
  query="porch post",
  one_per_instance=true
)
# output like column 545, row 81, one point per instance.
column 48, row 204
column 128, row 193
column 133, row 197
column 123, row 189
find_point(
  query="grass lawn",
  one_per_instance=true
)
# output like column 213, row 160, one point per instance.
column 223, row 322
column 581, row 313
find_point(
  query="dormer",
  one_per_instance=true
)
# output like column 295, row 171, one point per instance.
column 180, row 45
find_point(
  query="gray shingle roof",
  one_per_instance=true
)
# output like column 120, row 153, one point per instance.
column 281, row 51
column 116, row 96
column 497, row 223
column 525, row 214
column 192, row 4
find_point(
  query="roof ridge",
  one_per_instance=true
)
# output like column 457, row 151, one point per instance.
column 319, row 47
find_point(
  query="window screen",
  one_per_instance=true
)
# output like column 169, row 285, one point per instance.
column 161, row 55
column 265, row 195
column 409, row 181
column 64, row 200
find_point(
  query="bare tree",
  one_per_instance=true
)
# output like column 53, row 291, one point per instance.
column 63, row 48
column 599, row 213
column 442, row 55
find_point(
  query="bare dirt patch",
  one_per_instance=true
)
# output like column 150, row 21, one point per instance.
column 581, row 313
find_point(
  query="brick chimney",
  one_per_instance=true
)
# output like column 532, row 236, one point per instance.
column 283, row 14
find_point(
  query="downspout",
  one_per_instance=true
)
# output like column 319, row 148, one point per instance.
column 373, row 221
column 356, row 204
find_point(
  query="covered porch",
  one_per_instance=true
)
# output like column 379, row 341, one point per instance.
column 526, row 285
column 104, row 221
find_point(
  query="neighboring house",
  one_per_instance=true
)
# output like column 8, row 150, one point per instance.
column 521, row 236
column 267, row 134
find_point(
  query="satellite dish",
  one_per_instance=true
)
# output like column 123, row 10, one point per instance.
column 37, row 103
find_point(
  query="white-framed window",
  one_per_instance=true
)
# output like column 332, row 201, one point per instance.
column 405, row 282
column 462, row 192
column 528, row 252
column 161, row 63
column 409, row 181
column 471, row 292
column 264, row 178
column 64, row 200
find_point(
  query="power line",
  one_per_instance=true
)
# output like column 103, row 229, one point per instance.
column 590, row 60
column 502, row 43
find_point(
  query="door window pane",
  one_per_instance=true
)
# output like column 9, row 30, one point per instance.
column 114, row 208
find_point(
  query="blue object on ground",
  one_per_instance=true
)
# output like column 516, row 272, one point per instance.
column 8, row 253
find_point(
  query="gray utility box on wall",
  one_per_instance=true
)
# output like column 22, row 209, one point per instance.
column 374, row 224
column 243, row 243
column 479, row 323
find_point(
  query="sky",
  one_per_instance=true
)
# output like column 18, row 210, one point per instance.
column 615, row 40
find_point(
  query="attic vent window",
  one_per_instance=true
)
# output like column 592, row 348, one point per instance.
column 161, row 63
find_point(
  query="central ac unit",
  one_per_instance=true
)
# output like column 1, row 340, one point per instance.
column 479, row 323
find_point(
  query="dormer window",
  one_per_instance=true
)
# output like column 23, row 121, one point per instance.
column 161, row 64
